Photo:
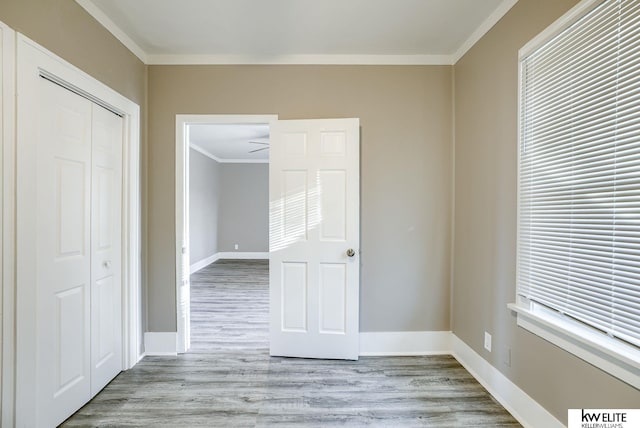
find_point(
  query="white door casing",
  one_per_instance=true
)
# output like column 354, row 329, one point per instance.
column 106, row 244
column 313, row 223
column 183, row 263
column 7, row 215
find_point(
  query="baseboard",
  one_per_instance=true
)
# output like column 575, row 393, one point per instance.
column 405, row 343
column 203, row 263
column 160, row 343
column 524, row 408
column 244, row 255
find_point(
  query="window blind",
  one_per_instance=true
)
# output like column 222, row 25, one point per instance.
column 579, row 172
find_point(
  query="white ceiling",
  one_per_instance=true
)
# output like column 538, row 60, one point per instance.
column 298, row 31
column 291, row 32
column 230, row 142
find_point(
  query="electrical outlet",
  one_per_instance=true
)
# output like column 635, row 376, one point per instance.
column 236, row 246
column 487, row 341
column 506, row 356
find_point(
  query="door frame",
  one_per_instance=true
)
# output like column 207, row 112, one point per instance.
column 183, row 309
column 32, row 62
column 7, row 218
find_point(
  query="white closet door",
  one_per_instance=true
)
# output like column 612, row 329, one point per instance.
column 63, row 256
column 78, row 258
column 106, row 289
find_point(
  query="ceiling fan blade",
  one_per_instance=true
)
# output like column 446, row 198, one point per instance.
column 259, row 150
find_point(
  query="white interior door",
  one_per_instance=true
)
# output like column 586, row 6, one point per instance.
column 63, row 255
column 106, row 245
column 78, row 197
column 314, row 238
column 183, row 265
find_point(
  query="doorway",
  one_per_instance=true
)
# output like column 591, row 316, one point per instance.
column 313, row 236
column 243, row 165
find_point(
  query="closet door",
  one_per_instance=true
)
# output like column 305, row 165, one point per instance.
column 106, row 244
column 78, row 245
column 63, row 253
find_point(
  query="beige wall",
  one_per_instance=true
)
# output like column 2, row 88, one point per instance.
column 63, row 27
column 405, row 116
column 485, row 223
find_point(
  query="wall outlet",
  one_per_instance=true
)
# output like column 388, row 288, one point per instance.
column 236, row 246
column 506, row 356
column 487, row 341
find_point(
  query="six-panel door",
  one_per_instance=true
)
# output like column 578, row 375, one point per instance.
column 78, row 240
column 106, row 245
column 314, row 222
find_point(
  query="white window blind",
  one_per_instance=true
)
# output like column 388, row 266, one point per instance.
column 579, row 172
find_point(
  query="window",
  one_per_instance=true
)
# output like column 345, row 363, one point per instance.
column 578, row 279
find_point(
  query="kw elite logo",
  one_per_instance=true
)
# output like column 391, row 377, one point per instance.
column 604, row 418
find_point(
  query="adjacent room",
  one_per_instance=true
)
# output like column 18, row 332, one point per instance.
column 228, row 224
column 299, row 213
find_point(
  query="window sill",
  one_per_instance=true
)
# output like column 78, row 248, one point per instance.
column 610, row 355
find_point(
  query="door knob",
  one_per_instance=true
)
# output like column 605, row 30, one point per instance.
column 351, row 252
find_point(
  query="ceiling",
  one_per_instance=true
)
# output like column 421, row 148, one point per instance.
column 231, row 142
column 291, row 32
column 298, row 31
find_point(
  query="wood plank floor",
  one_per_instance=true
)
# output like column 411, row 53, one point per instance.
column 229, row 380
column 230, row 306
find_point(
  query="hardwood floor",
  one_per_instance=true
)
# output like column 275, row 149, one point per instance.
column 229, row 380
column 230, row 306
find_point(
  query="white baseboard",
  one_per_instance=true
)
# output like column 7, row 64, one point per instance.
column 405, row 343
column 160, row 343
column 203, row 263
column 244, row 255
column 524, row 408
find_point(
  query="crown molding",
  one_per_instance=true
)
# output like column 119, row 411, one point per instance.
column 117, row 32
column 220, row 160
column 201, row 59
column 154, row 59
column 204, row 152
column 483, row 29
column 244, row 161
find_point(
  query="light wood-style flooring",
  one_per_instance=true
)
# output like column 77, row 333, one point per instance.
column 230, row 307
column 229, row 380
